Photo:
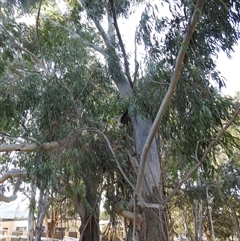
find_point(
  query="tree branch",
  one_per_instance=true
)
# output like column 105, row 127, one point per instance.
column 5, row 135
column 171, row 90
column 37, row 26
column 28, row 147
column 126, row 63
column 210, row 146
column 8, row 199
column 12, row 173
column 102, row 33
column 5, row 176
column 135, row 59
column 78, row 36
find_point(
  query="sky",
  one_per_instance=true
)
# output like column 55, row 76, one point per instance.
column 230, row 69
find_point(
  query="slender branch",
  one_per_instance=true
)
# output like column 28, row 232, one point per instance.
column 7, row 136
column 210, row 146
column 37, row 26
column 135, row 58
column 96, row 47
column 5, row 176
column 166, row 101
column 115, row 158
column 115, row 23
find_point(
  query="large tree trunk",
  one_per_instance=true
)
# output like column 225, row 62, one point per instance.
column 154, row 224
column 89, row 229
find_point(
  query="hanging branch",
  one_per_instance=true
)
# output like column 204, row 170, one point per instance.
column 115, row 23
column 166, row 101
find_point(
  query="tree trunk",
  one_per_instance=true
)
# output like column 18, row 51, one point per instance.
column 187, row 231
column 195, row 218
column 53, row 223
column 210, row 216
column 31, row 213
column 236, row 222
column 42, row 203
column 89, row 229
column 200, row 220
column 154, row 224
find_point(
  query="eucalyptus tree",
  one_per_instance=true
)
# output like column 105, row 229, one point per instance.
column 178, row 48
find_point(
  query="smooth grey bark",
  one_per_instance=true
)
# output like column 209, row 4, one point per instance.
column 141, row 126
column 4, row 177
column 195, row 218
column 187, row 231
column 210, row 215
column 200, row 221
column 42, row 204
column 31, row 213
